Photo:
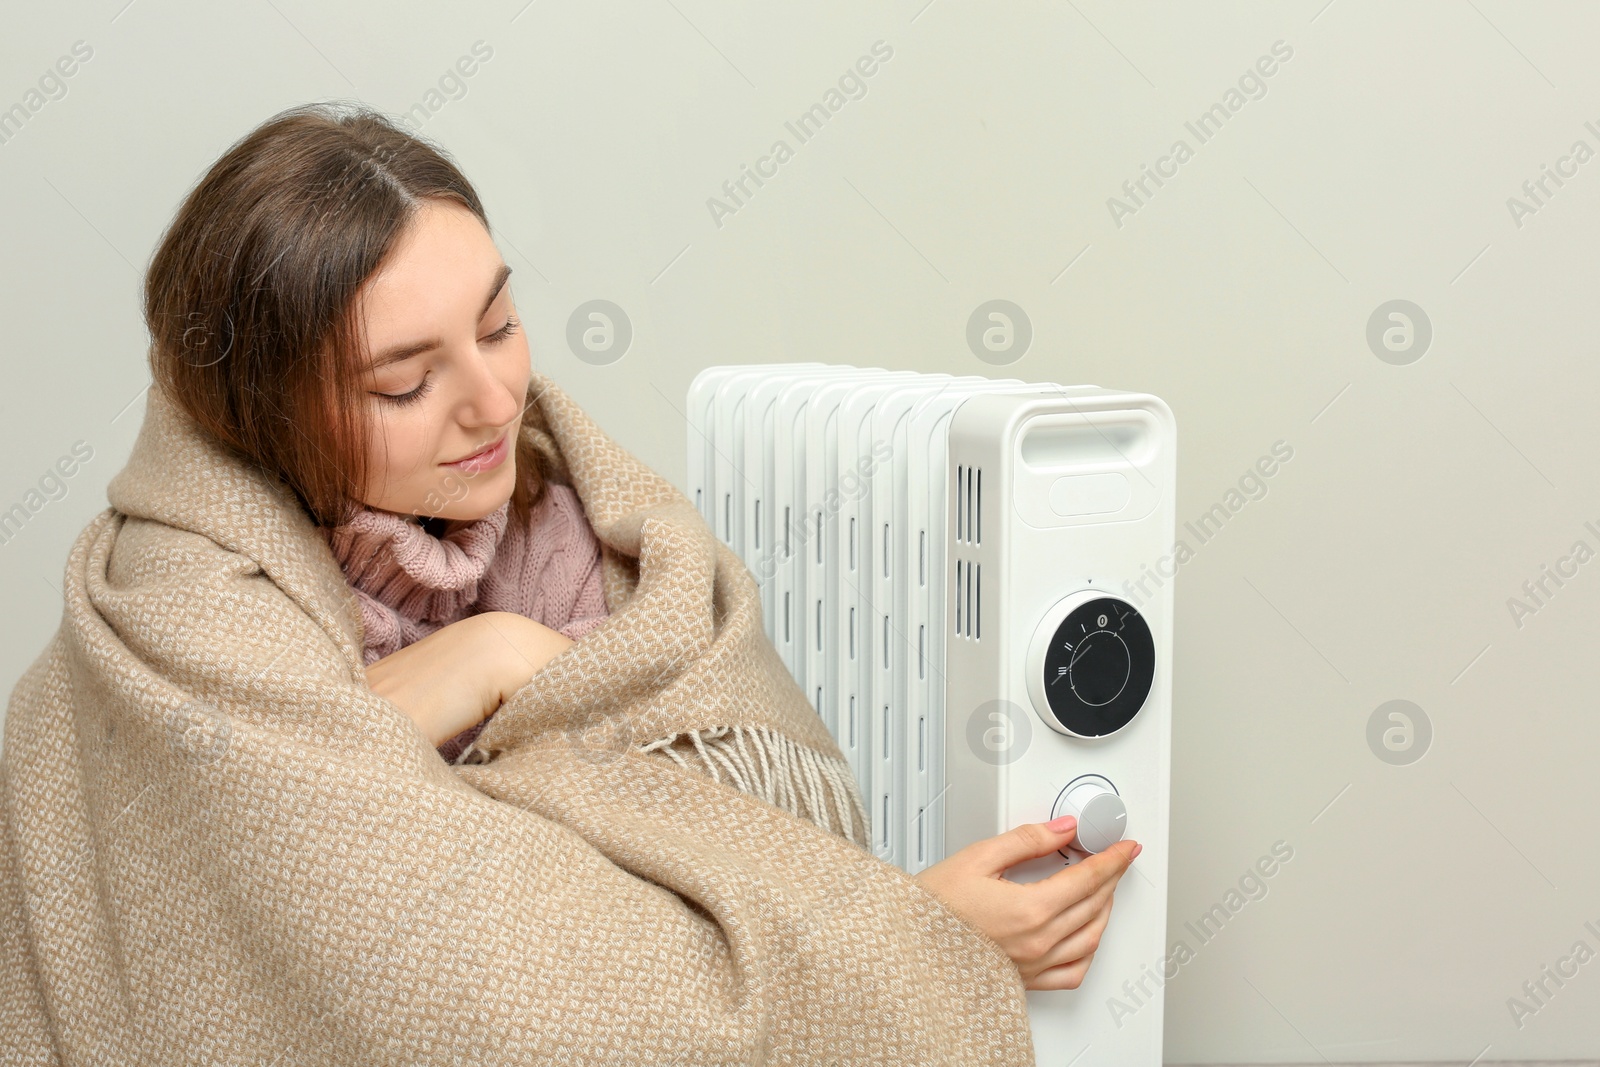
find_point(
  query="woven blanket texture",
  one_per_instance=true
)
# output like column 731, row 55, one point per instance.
column 219, row 846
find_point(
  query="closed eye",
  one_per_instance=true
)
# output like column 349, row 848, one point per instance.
column 505, row 331
column 402, row 399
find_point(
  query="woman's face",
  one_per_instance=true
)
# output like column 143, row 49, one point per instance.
column 448, row 372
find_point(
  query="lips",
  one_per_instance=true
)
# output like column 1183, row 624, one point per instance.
column 483, row 453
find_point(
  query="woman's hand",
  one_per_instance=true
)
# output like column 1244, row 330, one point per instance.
column 522, row 648
column 460, row 674
column 1049, row 928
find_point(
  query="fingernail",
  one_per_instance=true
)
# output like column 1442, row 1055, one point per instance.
column 1063, row 824
column 1136, row 850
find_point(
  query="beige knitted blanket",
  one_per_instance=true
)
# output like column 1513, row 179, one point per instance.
column 218, row 845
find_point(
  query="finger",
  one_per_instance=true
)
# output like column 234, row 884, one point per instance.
column 1023, row 842
column 1080, row 914
column 1081, row 879
column 1079, row 942
column 1066, row 976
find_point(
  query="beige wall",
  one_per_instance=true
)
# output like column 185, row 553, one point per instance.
column 1374, row 164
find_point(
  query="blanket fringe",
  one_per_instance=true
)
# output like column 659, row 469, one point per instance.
column 776, row 768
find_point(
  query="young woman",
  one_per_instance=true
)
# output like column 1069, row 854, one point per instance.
column 330, row 306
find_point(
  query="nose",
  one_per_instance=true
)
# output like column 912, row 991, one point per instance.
column 487, row 401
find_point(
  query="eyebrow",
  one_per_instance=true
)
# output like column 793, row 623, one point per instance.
column 396, row 353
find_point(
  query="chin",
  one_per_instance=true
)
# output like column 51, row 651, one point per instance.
column 475, row 505
column 471, row 510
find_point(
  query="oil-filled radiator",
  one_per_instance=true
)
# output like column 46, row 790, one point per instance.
column 963, row 574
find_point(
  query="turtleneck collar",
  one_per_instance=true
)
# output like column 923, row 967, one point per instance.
column 395, row 560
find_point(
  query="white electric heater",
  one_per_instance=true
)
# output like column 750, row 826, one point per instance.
column 956, row 570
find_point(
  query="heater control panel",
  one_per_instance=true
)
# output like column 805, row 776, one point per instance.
column 1091, row 664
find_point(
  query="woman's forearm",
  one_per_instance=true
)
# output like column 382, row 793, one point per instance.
column 460, row 674
column 520, row 648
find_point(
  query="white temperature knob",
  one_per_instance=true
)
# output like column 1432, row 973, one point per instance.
column 1101, row 814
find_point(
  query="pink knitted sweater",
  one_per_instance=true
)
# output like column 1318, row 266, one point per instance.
column 411, row 582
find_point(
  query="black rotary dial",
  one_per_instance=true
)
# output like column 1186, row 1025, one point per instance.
column 1099, row 667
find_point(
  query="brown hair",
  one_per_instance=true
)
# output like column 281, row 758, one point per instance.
column 250, row 298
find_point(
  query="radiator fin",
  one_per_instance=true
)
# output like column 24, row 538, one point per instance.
column 959, row 564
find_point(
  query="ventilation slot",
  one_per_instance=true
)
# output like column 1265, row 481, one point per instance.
column 758, row 524
column 969, row 601
column 968, row 504
column 961, row 475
